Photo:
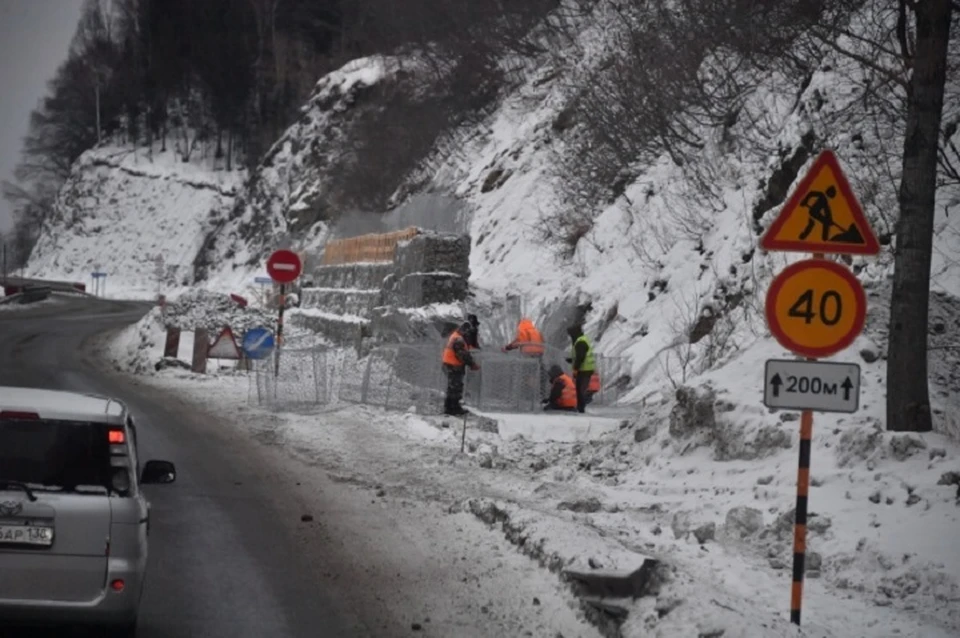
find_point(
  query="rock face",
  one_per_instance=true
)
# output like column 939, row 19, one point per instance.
column 706, row 532
column 693, row 412
column 905, row 445
column 742, row 521
column 644, row 433
column 588, row 505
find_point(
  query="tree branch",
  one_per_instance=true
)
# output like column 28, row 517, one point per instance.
column 865, row 61
column 902, row 33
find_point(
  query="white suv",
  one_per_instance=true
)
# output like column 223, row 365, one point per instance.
column 73, row 521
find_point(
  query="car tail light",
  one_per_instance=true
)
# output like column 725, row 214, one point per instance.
column 116, row 436
column 20, row 416
column 117, row 585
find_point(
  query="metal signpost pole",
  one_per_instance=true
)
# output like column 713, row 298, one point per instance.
column 283, row 302
column 284, row 267
column 815, row 308
column 800, row 518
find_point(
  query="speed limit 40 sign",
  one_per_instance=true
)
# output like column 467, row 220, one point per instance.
column 816, row 308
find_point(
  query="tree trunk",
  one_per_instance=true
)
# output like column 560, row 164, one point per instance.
column 908, row 396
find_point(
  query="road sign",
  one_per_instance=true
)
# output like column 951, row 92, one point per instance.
column 98, row 275
column 816, row 308
column 284, row 266
column 262, row 280
column 224, row 347
column 257, row 343
column 822, row 216
column 790, row 384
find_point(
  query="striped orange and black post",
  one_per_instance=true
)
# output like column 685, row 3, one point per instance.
column 800, row 520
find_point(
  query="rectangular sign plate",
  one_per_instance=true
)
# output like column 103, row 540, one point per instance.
column 790, row 384
column 262, row 280
column 26, row 535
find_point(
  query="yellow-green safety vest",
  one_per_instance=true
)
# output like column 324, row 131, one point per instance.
column 589, row 364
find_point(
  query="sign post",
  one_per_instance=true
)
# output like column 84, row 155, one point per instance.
column 283, row 266
column 99, row 283
column 815, row 308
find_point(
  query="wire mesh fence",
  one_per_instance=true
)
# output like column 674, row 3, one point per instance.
column 303, row 379
column 405, row 376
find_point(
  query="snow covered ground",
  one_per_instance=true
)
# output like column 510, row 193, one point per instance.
column 704, row 486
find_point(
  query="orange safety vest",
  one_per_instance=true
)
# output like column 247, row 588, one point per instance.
column 568, row 398
column 594, row 383
column 529, row 338
column 449, row 356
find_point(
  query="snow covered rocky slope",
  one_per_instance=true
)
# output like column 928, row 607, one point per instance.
column 140, row 217
column 661, row 263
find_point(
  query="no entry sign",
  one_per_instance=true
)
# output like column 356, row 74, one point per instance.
column 284, row 266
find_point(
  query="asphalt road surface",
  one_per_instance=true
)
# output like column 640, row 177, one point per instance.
column 225, row 555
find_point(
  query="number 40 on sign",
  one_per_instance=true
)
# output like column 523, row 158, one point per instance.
column 816, row 308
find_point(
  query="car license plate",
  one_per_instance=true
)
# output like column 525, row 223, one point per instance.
column 26, row 535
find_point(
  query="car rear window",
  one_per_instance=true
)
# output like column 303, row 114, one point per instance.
column 59, row 455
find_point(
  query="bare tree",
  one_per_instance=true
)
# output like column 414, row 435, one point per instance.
column 908, row 398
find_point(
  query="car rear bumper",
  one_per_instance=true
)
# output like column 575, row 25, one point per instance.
column 108, row 608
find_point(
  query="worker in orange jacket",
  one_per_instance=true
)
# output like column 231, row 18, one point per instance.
column 528, row 339
column 456, row 358
column 530, row 343
column 563, row 392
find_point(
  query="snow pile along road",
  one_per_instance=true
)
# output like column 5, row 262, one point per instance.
column 139, row 347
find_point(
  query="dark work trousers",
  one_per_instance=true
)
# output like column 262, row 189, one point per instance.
column 583, row 383
column 455, row 375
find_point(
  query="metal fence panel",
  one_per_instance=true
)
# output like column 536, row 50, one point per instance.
column 303, row 378
column 401, row 377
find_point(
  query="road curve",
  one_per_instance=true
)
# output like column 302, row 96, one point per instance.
column 225, row 556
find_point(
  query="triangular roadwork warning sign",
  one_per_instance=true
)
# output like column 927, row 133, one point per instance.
column 224, row 346
column 822, row 216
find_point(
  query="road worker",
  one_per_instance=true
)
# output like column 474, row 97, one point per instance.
column 583, row 363
column 529, row 342
column 563, row 391
column 456, row 358
column 527, row 339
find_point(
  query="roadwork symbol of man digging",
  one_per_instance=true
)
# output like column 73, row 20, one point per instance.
column 817, row 204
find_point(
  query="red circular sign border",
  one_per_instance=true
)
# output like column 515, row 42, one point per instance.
column 771, row 306
column 278, row 255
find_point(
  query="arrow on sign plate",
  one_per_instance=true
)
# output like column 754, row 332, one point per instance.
column 776, row 382
column 847, row 386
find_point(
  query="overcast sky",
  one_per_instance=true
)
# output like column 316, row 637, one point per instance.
column 34, row 38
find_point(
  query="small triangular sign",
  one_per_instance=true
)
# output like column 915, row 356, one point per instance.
column 224, row 346
column 822, row 216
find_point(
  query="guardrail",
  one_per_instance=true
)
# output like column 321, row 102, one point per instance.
column 14, row 285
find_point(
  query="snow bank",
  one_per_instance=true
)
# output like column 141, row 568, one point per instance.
column 139, row 347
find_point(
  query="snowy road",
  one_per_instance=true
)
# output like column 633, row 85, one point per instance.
column 254, row 542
